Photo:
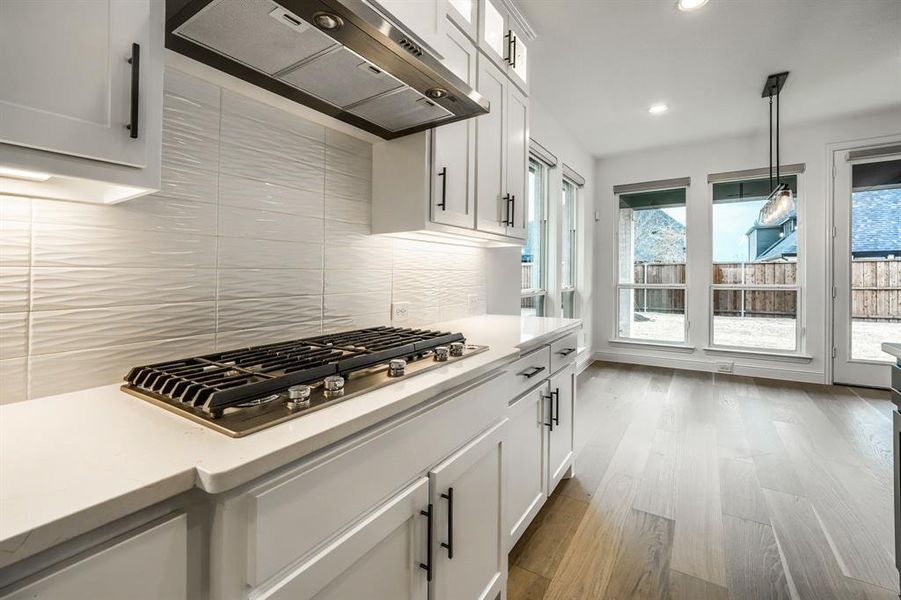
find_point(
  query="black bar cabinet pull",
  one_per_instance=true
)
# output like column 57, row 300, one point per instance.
column 506, row 199
column 530, row 373
column 427, row 565
column 443, row 176
column 513, row 52
column 556, row 415
column 449, row 496
column 512, row 210
column 509, row 37
column 566, row 351
column 550, row 410
column 135, row 62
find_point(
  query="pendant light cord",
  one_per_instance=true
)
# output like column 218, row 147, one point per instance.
column 771, row 140
column 778, row 171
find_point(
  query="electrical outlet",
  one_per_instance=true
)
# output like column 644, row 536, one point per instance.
column 400, row 312
column 724, row 367
column 473, row 300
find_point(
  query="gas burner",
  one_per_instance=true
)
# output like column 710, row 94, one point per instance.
column 245, row 390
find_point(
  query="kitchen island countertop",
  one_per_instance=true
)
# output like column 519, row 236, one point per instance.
column 73, row 462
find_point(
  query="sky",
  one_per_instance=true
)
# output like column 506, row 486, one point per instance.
column 730, row 222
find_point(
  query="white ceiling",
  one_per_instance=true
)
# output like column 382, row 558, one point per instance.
column 598, row 65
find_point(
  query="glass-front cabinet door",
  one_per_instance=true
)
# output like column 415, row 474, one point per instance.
column 494, row 39
column 465, row 13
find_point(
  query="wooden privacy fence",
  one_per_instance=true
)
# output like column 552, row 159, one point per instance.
column 875, row 289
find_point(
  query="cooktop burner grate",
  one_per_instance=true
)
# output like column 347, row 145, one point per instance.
column 214, row 382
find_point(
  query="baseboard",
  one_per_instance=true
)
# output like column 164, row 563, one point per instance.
column 583, row 360
column 688, row 364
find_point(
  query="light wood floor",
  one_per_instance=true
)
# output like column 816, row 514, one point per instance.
column 695, row 485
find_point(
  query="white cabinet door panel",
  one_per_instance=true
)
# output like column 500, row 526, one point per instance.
column 493, row 38
column 560, row 446
column 517, row 159
column 491, row 176
column 525, row 467
column 150, row 565
column 453, row 184
column 378, row 558
column 66, row 80
column 467, row 496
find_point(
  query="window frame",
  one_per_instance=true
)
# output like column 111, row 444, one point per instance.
column 574, row 245
column 542, row 290
column 618, row 286
column 800, row 266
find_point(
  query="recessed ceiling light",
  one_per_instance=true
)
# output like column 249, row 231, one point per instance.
column 685, row 5
column 23, row 174
column 658, row 109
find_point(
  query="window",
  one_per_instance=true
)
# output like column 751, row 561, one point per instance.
column 755, row 291
column 650, row 291
column 568, row 249
column 534, row 281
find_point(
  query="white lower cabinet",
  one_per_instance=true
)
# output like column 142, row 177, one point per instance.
column 469, row 545
column 561, row 400
column 382, row 557
column 525, row 469
column 149, row 565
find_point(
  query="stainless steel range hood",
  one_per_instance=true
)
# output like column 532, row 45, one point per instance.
column 342, row 58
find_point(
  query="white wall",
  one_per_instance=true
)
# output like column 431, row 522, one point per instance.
column 503, row 263
column 807, row 144
column 260, row 233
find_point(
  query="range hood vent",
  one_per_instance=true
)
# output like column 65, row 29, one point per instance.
column 366, row 71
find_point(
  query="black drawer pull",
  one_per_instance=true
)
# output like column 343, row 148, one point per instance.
column 507, row 221
column 550, row 409
column 427, row 565
column 530, row 373
column 566, row 351
column 135, row 62
column 449, row 496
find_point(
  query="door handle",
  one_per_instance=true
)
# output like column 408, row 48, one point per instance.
column 550, row 409
column 555, row 416
column 449, row 496
column 530, row 373
column 513, row 53
column 509, row 37
column 512, row 210
column 506, row 199
column 427, row 565
column 566, row 351
column 135, row 62
column 443, row 176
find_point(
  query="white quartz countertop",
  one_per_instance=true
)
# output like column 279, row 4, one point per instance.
column 73, row 462
column 893, row 348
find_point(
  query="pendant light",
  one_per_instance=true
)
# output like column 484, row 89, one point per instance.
column 780, row 201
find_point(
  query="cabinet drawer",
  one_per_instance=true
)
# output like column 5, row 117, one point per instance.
column 527, row 371
column 148, row 565
column 563, row 351
column 290, row 517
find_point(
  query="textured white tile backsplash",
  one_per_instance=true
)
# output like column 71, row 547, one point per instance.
column 260, row 233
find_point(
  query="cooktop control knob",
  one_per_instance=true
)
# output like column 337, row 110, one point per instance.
column 333, row 383
column 299, row 396
column 441, row 353
column 456, row 349
column 396, row 367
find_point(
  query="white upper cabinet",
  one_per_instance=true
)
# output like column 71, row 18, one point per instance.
column 426, row 19
column 454, row 147
column 68, row 85
column 465, row 13
column 81, row 98
column 491, row 133
column 517, row 160
column 504, row 41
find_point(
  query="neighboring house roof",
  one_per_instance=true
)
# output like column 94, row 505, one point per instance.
column 787, row 246
column 876, row 219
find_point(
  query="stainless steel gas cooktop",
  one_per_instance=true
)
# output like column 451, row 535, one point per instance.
column 245, row 390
